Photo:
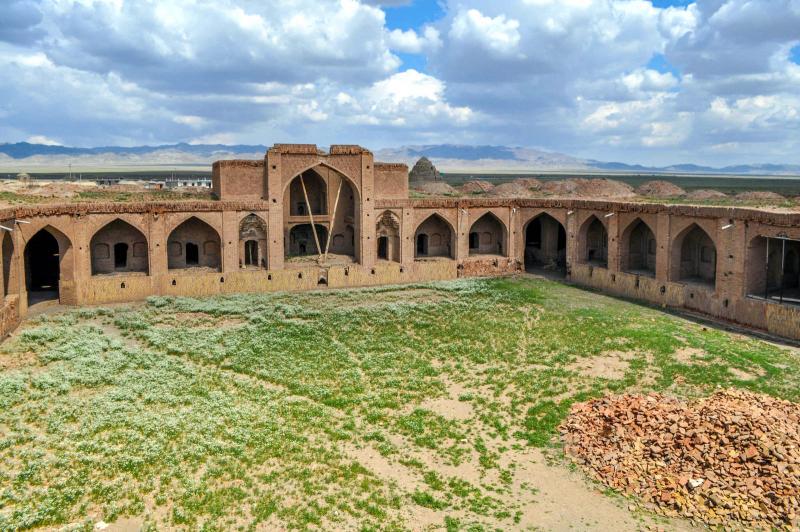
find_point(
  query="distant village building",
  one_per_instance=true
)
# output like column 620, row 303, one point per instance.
column 424, row 171
column 25, row 178
column 202, row 182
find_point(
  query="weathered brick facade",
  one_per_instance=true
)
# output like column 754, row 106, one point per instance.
column 705, row 259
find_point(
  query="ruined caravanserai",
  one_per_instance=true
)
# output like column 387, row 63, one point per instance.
column 301, row 218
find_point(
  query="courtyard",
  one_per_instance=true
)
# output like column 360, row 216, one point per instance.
column 426, row 407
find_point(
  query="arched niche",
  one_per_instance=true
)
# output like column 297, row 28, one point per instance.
column 194, row 244
column 594, row 237
column 119, row 247
column 545, row 244
column 46, row 264
column 694, row 257
column 387, row 234
column 253, row 242
column 487, row 236
column 434, row 238
column 639, row 248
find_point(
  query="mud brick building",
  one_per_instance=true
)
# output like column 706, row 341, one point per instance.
column 301, row 218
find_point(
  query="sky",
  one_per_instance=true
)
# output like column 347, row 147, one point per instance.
column 639, row 81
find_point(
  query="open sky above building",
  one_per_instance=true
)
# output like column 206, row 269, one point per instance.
column 662, row 82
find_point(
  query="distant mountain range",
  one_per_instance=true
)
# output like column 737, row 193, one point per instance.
column 24, row 156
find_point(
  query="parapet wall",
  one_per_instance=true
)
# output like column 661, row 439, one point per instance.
column 454, row 227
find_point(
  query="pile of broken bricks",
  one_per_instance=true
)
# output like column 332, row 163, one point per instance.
column 732, row 459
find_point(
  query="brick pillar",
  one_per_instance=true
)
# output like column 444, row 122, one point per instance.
column 613, row 243
column 573, row 251
column 157, row 250
column 731, row 251
column 513, row 233
column 407, row 232
column 230, row 241
column 81, row 244
column 366, row 224
column 663, row 247
column 463, row 223
column 275, row 221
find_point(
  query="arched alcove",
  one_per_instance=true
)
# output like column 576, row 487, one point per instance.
column 594, row 237
column 694, row 257
column 253, row 242
column 434, row 238
column 194, row 244
column 45, row 253
column 639, row 249
column 387, row 233
column 119, row 247
column 545, row 244
column 487, row 236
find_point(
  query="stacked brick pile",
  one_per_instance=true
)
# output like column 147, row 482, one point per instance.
column 731, row 459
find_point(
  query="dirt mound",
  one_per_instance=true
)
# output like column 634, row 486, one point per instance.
column 731, row 459
column 476, row 186
column 589, row 188
column 531, row 182
column 761, row 195
column 660, row 189
column 438, row 188
column 514, row 189
column 705, row 194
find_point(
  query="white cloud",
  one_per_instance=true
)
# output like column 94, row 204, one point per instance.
column 499, row 35
column 411, row 42
column 41, row 139
column 571, row 75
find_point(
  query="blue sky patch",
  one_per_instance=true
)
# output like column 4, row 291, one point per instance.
column 794, row 54
column 414, row 15
column 668, row 3
column 659, row 63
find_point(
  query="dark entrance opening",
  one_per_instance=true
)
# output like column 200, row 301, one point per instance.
column 42, row 267
column 120, row 255
column 192, row 254
column 473, row 241
column 383, row 248
column 422, row 245
column 251, row 253
column 546, row 245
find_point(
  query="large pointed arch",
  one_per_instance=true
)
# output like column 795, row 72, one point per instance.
column 194, row 244
column 119, row 247
column 694, row 257
column 46, row 264
column 488, row 235
column 434, row 237
column 638, row 249
column 334, row 201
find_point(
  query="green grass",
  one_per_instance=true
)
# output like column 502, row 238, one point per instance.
column 243, row 411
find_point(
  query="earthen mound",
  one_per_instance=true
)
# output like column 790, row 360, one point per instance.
column 437, row 188
column 660, row 189
column 531, row 182
column 760, row 195
column 514, row 189
column 732, row 459
column 589, row 188
column 476, row 186
column 705, row 194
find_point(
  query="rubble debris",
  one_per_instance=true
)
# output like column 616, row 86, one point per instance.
column 732, row 459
